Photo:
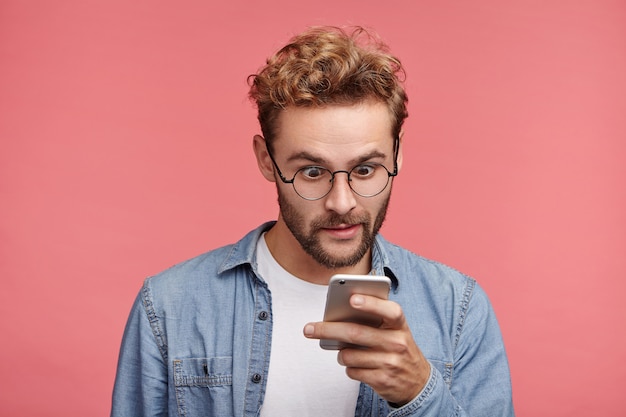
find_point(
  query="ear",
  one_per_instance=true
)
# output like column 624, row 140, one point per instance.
column 400, row 149
column 263, row 158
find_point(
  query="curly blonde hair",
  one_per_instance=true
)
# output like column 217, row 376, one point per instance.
column 328, row 65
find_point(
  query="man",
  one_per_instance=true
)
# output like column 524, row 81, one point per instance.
column 234, row 333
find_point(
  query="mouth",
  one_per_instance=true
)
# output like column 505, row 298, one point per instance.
column 343, row 231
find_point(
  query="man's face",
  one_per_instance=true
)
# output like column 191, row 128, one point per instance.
column 337, row 230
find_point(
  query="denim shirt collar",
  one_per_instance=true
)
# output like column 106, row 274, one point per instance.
column 244, row 252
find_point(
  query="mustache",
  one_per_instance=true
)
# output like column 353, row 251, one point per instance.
column 334, row 220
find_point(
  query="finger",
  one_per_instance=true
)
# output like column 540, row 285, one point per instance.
column 383, row 348
column 397, row 378
column 350, row 333
column 389, row 311
column 360, row 358
column 325, row 330
column 383, row 372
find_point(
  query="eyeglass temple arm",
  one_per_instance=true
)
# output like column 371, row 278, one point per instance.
column 396, row 148
column 280, row 174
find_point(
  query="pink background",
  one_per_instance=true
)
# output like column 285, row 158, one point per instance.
column 125, row 147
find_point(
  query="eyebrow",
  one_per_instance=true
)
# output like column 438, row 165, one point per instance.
column 306, row 156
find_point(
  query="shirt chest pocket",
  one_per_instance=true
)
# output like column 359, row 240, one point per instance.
column 204, row 386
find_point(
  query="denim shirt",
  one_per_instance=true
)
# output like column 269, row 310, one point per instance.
column 197, row 342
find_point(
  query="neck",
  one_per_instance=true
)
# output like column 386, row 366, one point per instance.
column 289, row 254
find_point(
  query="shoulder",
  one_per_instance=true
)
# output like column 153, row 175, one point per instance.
column 208, row 271
column 407, row 265
column 420, row 277
column 186, row 279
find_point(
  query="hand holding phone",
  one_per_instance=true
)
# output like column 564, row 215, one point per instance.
column 340, row 288
column 368, row 359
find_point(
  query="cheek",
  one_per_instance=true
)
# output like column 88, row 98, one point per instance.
column 297, row 209
column 374, row 205
column 313, row 211
column 378, row 208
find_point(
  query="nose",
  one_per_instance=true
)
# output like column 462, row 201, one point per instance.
column 341, row 198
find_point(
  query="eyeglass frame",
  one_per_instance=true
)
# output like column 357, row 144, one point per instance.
column 396, row 145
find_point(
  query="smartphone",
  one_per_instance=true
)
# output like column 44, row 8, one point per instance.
column 340, row 289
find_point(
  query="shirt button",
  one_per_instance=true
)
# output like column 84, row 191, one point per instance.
column 256, row 378
column 263, row 315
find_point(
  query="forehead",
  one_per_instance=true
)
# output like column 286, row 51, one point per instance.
column 335, row 130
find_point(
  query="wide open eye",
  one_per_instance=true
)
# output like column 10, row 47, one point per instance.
column 363, row 171
column 313, row 173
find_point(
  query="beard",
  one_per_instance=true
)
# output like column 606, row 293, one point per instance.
column 310, row 241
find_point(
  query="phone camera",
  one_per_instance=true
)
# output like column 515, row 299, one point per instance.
column 341, row 282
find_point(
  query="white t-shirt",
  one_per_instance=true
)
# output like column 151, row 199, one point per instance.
column 304, row 380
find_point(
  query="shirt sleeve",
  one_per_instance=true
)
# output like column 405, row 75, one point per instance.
column 141, row 381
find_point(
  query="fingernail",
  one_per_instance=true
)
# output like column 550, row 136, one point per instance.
column 308, row 330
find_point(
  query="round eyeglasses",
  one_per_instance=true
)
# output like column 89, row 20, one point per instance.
column 314, row 182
